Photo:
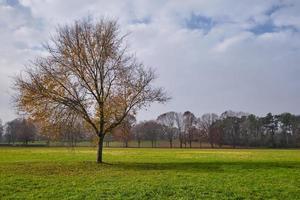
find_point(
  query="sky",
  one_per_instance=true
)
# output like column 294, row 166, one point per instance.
column 210, row 55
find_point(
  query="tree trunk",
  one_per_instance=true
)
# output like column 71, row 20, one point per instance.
column 171, row 143
column 273, row 139
column 180, row 140
column 139, row 143
column 100, row 148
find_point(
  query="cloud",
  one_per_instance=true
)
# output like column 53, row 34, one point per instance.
column 210, row 55
column 228, row 42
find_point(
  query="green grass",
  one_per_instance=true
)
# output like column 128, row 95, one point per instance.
column 61, row 173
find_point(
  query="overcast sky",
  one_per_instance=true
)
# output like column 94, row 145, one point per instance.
column 210, row 55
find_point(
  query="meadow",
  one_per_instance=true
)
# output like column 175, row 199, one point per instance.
column 72, row 173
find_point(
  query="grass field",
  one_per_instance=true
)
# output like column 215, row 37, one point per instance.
column 61, row 173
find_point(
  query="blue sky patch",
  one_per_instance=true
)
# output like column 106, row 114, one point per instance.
column 268, row 27
column 199, row 22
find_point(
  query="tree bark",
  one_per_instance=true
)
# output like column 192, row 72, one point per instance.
column 100, row 148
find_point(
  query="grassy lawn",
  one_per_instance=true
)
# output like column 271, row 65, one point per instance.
column 62, row 173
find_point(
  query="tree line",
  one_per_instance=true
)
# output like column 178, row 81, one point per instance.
column 230, row 129
column 24, row 131
column 234, row 129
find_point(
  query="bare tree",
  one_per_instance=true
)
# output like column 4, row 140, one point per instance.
column 26, row 131
column 168, row 122
column 151, row 131
column 124, row 131
column 21, row 130
column 189, row 121
column 73, row 133
column 205, row 123
column 137, row 131
column 180, row 127
column 11, row 130
column 87, row 74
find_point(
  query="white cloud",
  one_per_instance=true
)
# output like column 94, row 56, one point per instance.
column 228, row 42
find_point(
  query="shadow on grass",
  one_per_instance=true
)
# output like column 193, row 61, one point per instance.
column 209, row 166
column 91, row 168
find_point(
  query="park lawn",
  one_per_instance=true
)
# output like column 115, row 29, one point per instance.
column 66, row 173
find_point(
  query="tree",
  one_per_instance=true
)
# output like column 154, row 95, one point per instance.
column 89, row 74
column 137, row 131
column 168, row 121
column 189, row 121
column 21, row 130
column 271, row 126
column 1, row 130
column 72, row 133
column 231, row 129
column 124, row 130
column 180, row 127
column 216, row 133
column 26, row 131
column 205, row 122
column 151, row 131
column 253, row 126
column 11, row 130
column 286, row 120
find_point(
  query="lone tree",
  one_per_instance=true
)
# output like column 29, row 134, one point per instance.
column 88, row 74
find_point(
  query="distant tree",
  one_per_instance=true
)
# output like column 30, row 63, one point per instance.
column 20, row 130
column 26, row 131
column 205, row 124
column 296, row 131
column 286, row 120
column 11, row 130
column 138, row 133
column 1, row 130
column 231, row 128
column 189, row 121
column 151, row 131
column 73, row 133
column 108, row 139
column 254, row 126
column 87, row 74
column 124, row 131
column 167, row 120
column 271, row 126
column 216, row 133
column 179, row 124
column 200, row 134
